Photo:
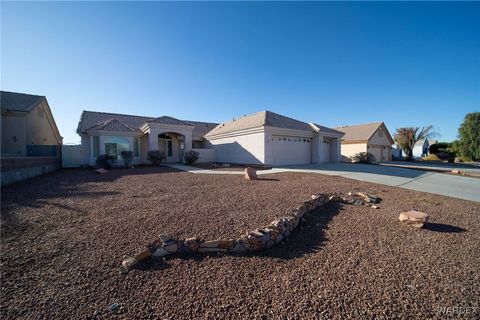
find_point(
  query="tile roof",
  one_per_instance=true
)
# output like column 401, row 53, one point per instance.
column 361, row 132
column 14, row 101
column 114, row 125
column 260, row 119
column 170, row 120
column 91, row 119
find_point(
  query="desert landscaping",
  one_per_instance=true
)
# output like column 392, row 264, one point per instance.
column 69, row 231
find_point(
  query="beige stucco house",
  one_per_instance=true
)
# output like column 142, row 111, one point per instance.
column 27, row 122
column 270, row 138
column 370, row 137
column 261, row 138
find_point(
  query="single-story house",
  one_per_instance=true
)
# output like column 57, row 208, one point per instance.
column 28, row 126
column 370, row 137
column 421, row 147
column 270, row 138
column 261, row 138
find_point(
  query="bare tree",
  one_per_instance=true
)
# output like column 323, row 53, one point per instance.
column 406, row 138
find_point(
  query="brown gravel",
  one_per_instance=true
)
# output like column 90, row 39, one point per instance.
column 64, row 235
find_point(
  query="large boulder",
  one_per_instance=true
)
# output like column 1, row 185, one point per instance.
column 414, row 218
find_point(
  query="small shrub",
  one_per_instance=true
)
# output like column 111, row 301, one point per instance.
column 156, row 157
column 431, row 157
column 363, row 157
column 191, row 156
column 105, row 161
column 127, row 157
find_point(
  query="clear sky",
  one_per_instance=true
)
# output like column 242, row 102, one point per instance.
column 407, row 64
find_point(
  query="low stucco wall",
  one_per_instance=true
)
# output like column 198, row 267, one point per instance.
column 206, row 155
column 246, row 148
column 18, row 169
column 350, row 149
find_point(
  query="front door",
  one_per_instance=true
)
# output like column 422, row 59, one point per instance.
column 169, row 150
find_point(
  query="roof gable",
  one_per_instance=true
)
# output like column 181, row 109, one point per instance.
column 170, row 121
column 14, row 101
column 113, row 125
column 363, row 132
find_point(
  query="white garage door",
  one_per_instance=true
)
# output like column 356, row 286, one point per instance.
column 291, row 150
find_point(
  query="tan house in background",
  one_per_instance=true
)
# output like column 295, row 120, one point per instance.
column 26, row 121
column 370, row 137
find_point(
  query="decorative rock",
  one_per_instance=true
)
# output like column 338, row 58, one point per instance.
column 211, row 250
column 101, row 171
column 128, row 263
column 414, row 218
column 222, row 244
column 276, row 232
column 192, row 243
column 368, row 197
column 160, row 253
column 172, row 248
column 165, row 237
column 142, row 255
column 250, row 173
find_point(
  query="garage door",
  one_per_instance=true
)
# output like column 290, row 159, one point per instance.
column 376, row 152
column 291, row 150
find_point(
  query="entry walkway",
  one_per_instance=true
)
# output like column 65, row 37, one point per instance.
column 437, row 183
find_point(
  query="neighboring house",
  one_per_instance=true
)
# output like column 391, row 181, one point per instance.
column 421, row 148
column 370, row 137
column 28, row 127
column 261, row 138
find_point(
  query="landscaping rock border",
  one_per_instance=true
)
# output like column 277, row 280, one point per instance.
column 253, row 241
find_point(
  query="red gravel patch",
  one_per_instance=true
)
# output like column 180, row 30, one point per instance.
column 64, row 235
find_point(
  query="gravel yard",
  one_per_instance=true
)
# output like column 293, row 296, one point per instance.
column 64, row 235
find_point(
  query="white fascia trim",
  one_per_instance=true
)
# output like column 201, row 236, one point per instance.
column 169, row 127
column 289, row 132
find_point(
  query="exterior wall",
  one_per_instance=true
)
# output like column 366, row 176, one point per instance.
column 382, row 140
column 86, row 150
column 13, row 135
column 39, row 130
column 380, row 146
column 349, row 149
column 244, row 148
column 144, row 147
column 206, row 155
column 18, row 169
column 72, row 156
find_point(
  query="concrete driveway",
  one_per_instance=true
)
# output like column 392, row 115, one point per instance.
column 438, row 183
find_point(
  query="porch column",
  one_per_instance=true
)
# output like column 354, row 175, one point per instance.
column 188, row 142
column 338, row 149
column 91, row 147
column 101, row 147
column 152, row 140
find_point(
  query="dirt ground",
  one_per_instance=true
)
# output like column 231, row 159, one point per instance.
column 64, row 235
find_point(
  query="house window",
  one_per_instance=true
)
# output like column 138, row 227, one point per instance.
column 115, row 145
column 136, row 149
column 111, row 149
column 96, row 147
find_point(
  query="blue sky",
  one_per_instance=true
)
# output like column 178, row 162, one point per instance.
column 407, row 64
